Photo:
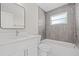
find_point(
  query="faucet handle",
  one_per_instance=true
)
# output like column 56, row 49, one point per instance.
column 17, row 32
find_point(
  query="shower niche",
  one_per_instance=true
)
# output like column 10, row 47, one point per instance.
column 12, row 15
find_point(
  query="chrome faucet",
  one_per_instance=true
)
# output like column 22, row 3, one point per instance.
column 17, row 32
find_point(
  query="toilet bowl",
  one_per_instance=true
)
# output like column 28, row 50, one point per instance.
column 44, row 49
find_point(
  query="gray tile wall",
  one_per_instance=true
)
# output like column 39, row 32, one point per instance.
column 62, row 32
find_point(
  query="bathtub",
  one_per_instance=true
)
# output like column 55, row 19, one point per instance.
column 49, row 47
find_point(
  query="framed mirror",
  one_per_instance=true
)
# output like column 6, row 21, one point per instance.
column 12, row 15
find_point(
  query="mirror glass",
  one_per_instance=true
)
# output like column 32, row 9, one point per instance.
column 12, row 15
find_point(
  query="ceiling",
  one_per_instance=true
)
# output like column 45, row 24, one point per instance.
column 50, row 6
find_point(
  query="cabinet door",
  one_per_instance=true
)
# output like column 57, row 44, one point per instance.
column 11, row 50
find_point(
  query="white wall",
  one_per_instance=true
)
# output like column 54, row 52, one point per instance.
column 31, row 18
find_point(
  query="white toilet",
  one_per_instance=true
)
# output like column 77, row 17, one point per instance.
column 44, row 48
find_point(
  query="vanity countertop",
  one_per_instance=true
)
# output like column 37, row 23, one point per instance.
column 19, row 39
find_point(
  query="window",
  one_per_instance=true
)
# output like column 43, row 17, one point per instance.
column 59, row 18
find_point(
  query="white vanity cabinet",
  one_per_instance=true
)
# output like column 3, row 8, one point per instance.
column 26, row 47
